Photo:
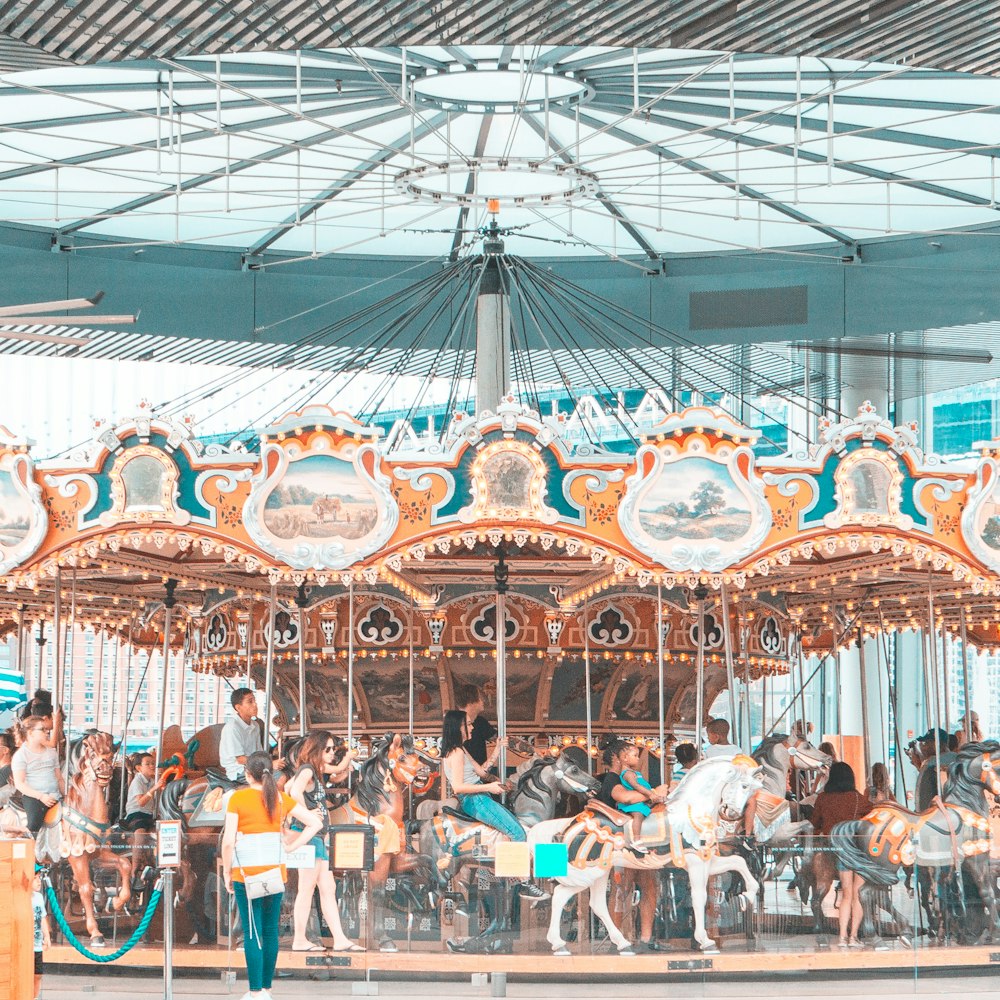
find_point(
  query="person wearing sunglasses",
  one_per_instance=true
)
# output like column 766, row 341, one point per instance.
column 321, row 759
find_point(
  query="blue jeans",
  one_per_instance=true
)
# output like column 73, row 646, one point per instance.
column 261, row 947
column 480, row 806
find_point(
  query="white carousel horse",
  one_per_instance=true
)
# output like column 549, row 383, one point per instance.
column 681, row 833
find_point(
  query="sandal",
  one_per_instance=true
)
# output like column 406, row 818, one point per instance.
column 350, row 946
column 313, row 947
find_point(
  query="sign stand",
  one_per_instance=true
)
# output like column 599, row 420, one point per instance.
column 168, row 856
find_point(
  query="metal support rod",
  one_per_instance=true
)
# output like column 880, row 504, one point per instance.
column 413, row 622
column 800, row 663
column 926, row 656
column 125, row 713
column 699, row 734
column 840, row 703
column 301, row 600
column 249, row 683
column 933, row 667
column 167, row 890
column 350, row 662
column 660, row 686
column 168, row 606
column 727, row 638
column 269, row 669
column 866, row 748
column 68, row 668
column 57, row 692
column 586, row 682
column 40, row 640
column 20, row 651
column 502, row 679
column 965, row 677
column 98, row 687
column 946, row 679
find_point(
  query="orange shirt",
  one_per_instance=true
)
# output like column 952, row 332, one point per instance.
column 248, row 804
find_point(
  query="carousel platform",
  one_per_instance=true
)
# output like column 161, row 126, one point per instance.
column 678, row 962
column 61, row 986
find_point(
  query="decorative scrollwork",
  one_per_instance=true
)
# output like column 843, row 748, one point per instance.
column 610, row 627
column 770, row 636
column 216, row 633
column 713, row 632
column 484, row 625
column 380, row 625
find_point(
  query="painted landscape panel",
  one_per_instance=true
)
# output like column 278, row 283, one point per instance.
column 15, row 512
column 694, row 498
column 988, row 518
column 321, row 496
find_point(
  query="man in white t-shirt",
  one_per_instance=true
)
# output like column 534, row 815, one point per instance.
column 717, row 732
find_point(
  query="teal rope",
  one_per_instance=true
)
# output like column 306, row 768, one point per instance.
column 154, row 900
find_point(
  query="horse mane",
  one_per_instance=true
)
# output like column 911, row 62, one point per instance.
column 964, row 785
column 371, row 781
column 92, row 741
column 764, row 754
column 171, row 799
column 528, row 784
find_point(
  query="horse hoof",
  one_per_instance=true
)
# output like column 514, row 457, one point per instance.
column 97, row 941
column 388, row 947
column 562, row 952
column 626, row 952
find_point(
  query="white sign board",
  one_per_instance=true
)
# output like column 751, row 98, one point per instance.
column 168, row 843
column 304, row 857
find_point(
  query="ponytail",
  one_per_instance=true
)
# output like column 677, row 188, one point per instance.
column 259, row 767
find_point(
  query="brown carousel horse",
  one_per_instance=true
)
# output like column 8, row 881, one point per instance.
column 379, row 801
column 945, row 842
column 87, row 823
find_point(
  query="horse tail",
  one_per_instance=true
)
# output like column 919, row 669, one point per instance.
column 172, row 799
column 850, row 845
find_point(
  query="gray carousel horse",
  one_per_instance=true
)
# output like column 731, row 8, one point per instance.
column 681, row 833
column 947, row 841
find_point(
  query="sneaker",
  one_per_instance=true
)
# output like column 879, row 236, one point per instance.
column 531, row 891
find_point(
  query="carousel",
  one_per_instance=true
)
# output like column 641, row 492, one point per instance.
column 357, row 584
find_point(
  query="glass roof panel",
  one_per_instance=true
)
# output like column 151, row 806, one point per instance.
column 359, row 151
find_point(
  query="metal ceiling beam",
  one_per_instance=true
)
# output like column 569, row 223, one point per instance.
column 235, row 168
column 785, row 149
column 470, row 185
column 348, row 180
column 164, row 141
column 622, row 105
column 721, row 178
column 612, row 209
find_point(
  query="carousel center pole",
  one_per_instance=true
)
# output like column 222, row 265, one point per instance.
column 493, row 336
column 700, row 593
column 500, row 574
column 269, row 670
column 40, row 641
column 169, row 602
column 301, row 600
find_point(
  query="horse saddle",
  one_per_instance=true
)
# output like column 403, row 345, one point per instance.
column 458, row 814
column 217, row 778
column 616, row 817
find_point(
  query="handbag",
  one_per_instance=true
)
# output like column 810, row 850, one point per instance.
column 269, row 883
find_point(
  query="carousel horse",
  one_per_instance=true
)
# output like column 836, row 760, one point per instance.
column 776, row 819
column 452, row 841
column 378, row 800
column 87, row 822
column 681, row 833
column 950, row 838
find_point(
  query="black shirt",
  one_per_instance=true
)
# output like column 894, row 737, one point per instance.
column 6, row 775
column 482, row 732
column 609, row 780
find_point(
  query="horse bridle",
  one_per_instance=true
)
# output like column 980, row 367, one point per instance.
column 574, row 785
column 990, row 778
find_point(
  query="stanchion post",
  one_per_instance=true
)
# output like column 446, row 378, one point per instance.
column 168, row 856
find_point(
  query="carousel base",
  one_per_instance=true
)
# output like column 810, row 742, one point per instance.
column 678, row 962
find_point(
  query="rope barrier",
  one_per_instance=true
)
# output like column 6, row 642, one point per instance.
column 137, row 934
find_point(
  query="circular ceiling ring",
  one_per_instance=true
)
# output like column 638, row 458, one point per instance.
column 509, row 180
column 500, row 91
